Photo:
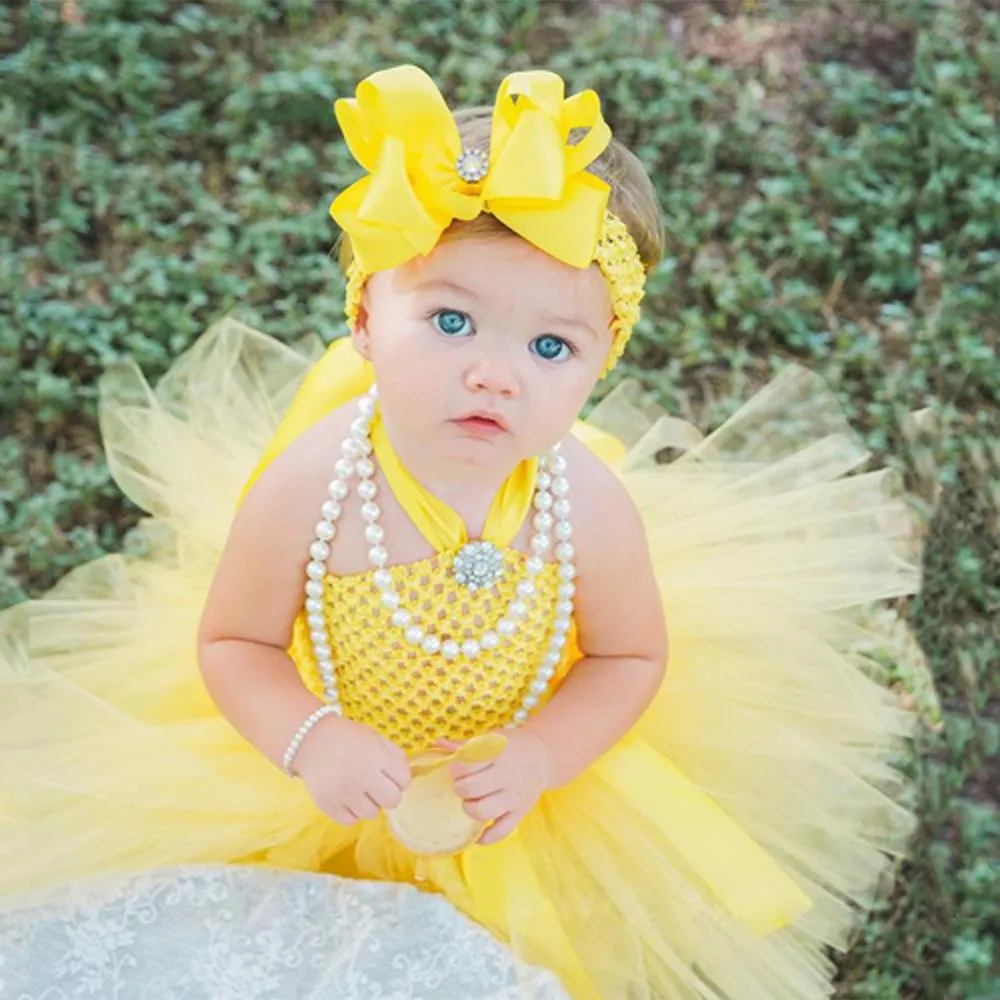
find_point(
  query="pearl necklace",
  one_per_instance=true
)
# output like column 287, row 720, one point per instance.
column 552, row 510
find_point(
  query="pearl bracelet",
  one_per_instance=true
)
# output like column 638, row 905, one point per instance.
column 303, row 732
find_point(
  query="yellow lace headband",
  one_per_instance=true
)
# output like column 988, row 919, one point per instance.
column 420, row 180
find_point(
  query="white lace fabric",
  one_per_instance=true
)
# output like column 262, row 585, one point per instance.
column 239, row 933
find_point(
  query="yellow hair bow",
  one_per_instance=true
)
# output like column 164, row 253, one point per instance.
column 420, row 180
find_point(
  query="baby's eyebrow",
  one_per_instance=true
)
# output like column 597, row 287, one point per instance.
column 444, row 285
column 570, row 321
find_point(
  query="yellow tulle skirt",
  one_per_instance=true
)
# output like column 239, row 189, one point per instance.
column 736, row 836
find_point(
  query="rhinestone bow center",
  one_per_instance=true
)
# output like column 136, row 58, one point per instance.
column 473, row 165
column 478, row 565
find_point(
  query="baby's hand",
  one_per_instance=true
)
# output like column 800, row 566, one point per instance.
column 351, row 772
column 502, row 791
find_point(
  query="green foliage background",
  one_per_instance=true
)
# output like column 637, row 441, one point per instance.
column 830, row 178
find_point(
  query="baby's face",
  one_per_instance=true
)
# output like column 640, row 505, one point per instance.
column 486, row 350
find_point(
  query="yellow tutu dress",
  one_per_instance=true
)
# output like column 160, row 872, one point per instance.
column 719, row 852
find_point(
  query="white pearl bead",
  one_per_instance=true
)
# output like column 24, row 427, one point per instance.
column 543, row 522
column 370, row 512
column 565, row 552
column 552, row 660
column 331, row 510
column 557, row 465
column 558, row 641
column 530, row 701
column 314, row 588
column 543, row 501
column 321, row 649
column 506, row 627
column 360, row 428
column 470, row 649
column 539, row 686
column 534, row 565
column 567, row 590
column 343, row 468
column 543, row 481
column 390, row 600
column 314, row 607
column 365, row 468
column 567, row 571
column 338, row 489
column 414, row 635
column 367, row 489
column 449, row 649
column 320, row 551
column 564, row 531
column 374, row 534
column 378, row 556
column 366, row 405
column 350, row 448
column 364, row 447
column 525, row 588
column 517, row 610
column 540, row 543
column 521, row 715
column 564, row 609
column 561, row 508
column 561, row 624
column 316, row 620
column 489, row 640
column 315, row 570
column 383, row 579
column 431, row 644
column 325, row 531
column 317, row 635
column 560, row 486
column 401, row 618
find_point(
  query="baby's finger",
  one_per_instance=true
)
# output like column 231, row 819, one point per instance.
column 478, row 784
column 397, row 770
column 364, row 807
column 487, row 809
column 466, row 770
column 503, row 827
column 395, row 752
column 384, row 791
column 342, row 815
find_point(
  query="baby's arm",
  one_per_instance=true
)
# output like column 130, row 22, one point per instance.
column 246, row 630
column 257, row 590
column 621, row 629
column 622, row 635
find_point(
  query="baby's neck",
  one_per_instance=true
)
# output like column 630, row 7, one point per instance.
column 467, row 489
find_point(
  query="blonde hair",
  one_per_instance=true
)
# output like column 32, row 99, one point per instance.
column 632, row 198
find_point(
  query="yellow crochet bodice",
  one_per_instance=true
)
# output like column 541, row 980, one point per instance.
column 415, row 699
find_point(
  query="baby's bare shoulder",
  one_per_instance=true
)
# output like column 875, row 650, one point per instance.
column 597, row 494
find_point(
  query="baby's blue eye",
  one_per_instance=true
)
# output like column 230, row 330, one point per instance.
column 551, row 348
column 451, row 323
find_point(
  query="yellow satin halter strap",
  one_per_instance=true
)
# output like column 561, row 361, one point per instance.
column 342, row 375
column 435, row 520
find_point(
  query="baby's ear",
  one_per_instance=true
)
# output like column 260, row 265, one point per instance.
column 359, row 330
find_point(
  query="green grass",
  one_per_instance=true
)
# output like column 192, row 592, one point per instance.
column 830, row 177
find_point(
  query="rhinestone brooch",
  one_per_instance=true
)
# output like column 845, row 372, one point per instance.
column 478, row 565
column 472, row 166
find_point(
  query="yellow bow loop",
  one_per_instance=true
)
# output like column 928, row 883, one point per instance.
column 400, row 130
column 538, row 185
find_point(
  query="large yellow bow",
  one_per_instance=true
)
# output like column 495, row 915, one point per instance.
column 399, row 128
